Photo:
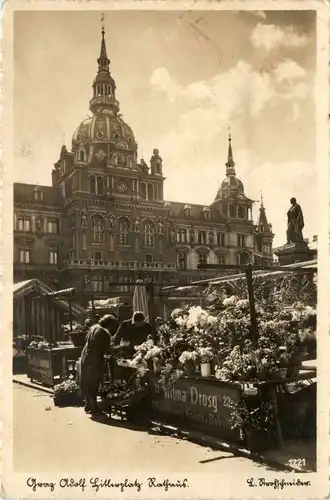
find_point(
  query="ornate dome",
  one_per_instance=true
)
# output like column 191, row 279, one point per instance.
column 232, row 182
column 107, row 128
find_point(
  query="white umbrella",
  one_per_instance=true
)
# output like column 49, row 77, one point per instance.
column 140, row 301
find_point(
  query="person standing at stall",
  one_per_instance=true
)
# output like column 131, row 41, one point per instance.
column 135, row 331
column 98, row 344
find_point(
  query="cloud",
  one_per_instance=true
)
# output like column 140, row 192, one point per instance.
column 270, row 37
column 289, row 70
column 162, row 80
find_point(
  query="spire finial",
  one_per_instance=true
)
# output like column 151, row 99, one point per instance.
column 230, row 165
column 103, row 60
column 261, row 200
column 64, row 139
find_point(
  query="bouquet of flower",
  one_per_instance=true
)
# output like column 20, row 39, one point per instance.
column 205, row 354
column 67, row 393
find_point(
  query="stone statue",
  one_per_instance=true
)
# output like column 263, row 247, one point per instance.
column 192, row 235
column 122, row 159
column 84, row 220
column 39, row 223
column 211, row 238
column 172, row 235
column 137, row 225
column 114, row 158
column 295, row 223
column 111, row 222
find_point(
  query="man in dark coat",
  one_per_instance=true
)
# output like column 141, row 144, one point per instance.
column 135, row 331
column 98, row 343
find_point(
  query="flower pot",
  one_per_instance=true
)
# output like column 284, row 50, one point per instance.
column 156, row 365
column 190, row 368
column 205, row 369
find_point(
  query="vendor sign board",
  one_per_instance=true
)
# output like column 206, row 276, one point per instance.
column 203, row 404
column 39, row 367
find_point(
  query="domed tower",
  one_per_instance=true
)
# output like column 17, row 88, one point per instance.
column 230, row 198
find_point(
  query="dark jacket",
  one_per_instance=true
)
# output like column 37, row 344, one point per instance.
column 133, row 334
column 98, row 343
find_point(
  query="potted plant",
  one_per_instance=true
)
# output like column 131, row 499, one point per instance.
column 153, row 358
column 205, row 355
column 188, row 360
column 77, row 333
column 67, row 393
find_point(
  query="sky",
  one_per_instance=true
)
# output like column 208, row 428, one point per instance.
column 184, row 80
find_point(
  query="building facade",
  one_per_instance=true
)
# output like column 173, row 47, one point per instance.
column 104, row 220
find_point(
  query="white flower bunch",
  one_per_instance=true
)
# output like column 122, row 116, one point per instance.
column 145, row 347
column 187, row 356
column 242, row 304
column 230, row 301
column 154, row 352
column 197, row 318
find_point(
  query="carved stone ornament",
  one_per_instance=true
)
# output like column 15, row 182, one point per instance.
column 172, row 234
column 137, row 225
column 111, row 222
column 84, row 220
column 39, row 223
column 211, row 237
column 122, row 159
column 100, row 155
column 192, row 236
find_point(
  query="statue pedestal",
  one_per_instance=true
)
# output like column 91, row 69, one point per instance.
column 292, row 253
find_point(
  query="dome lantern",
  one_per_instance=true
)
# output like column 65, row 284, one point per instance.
column 104, row 87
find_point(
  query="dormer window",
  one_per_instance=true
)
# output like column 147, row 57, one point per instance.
column 38, row 194
column 187, row 210
column 206, row 212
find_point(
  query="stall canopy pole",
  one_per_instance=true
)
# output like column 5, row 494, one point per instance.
column 254, row 332
column 70, row 310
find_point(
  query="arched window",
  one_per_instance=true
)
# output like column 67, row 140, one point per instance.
column 150, row 192
column 232, row 212
column 182, row 261
column 99, row 185
column 92, row 184
column 124, row 232
column 241, row 212
column 148, row 234
column 98, row 229
column 181, row 236
column 202, row 258
column 82, row 155
column 143, row 191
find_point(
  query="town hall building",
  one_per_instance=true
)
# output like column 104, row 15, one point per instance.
column 104, row 219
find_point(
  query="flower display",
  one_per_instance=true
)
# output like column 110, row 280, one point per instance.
column 188, row 356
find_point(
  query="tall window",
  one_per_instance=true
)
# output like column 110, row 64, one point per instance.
column 97, row 285
column 150, row 192
column 24, row 224
column 92, row 184
column 82, row 155
column 241, row 240
column 98, row 227
column 148, row 235
column 124, row 232
column 181, row 236
column 202, row 258
column 99, row 185
column 241, row 212
column 232, row 212
column 143, row 191
column 24, row 255
column 202, row 237
column 220, row 239
column 149, row 258
column 221, row 259
column 53, row 226
column 53, row 256
column 182, row 261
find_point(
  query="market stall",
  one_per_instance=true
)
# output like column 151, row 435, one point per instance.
column 233, row 367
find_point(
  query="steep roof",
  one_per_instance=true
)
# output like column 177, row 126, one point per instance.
column 25, row 193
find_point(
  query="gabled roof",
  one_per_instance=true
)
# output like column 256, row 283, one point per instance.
column 26, row 287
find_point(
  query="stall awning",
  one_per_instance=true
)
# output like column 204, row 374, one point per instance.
column 269, row 274
column 36, row 286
